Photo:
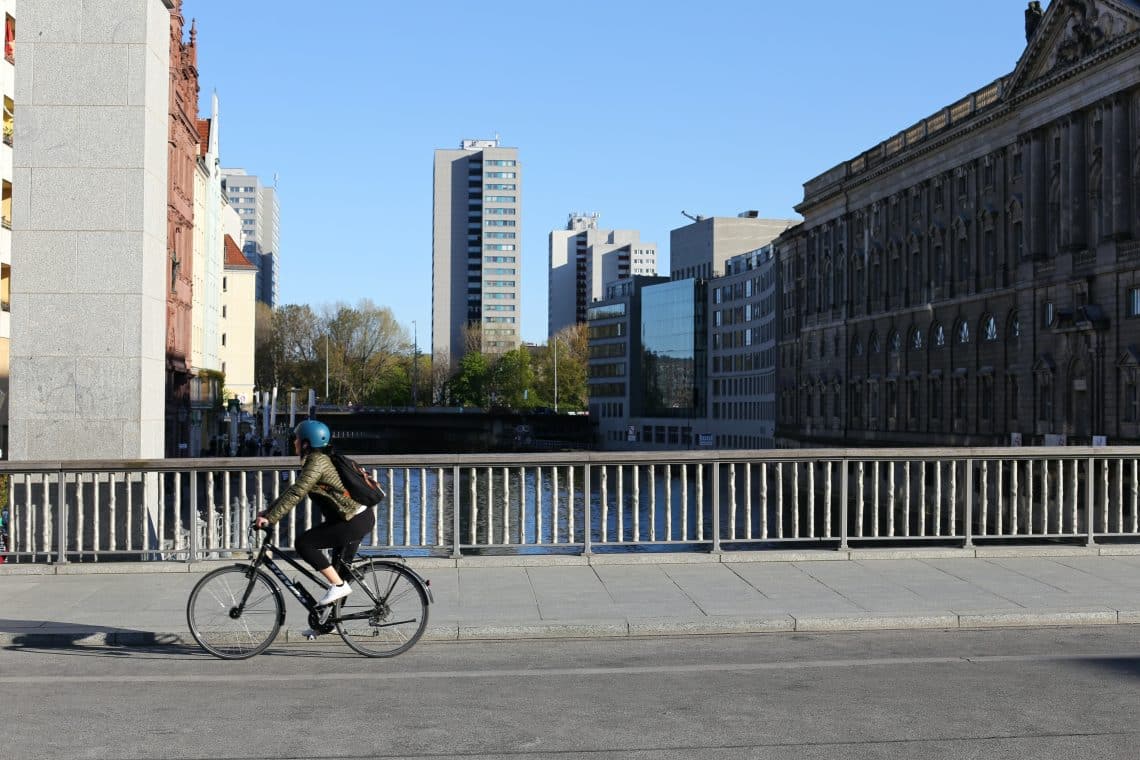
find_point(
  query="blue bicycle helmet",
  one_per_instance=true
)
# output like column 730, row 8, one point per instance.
column 314, row 433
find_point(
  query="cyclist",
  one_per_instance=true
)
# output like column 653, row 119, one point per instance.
column 345, row 521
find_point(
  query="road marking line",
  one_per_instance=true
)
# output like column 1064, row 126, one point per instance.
column 564, row 672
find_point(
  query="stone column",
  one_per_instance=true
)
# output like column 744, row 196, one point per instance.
column 1119, row 199
column 89, row 230
column 1036, row 181
column 1076, row 195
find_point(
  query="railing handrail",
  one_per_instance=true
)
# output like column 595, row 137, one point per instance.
column 204, row 464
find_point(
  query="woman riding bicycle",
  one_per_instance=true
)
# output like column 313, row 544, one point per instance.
column 345, row 521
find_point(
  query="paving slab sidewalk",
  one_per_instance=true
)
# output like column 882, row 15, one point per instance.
column 130, row 604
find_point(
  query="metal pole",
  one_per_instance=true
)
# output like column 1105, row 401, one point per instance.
column 415, row 365
column 556, row 375
column 326, row 368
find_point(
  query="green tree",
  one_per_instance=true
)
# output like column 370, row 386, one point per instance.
column 572, row 355
column 512, row 380
column 365, row 341
column 468, row 386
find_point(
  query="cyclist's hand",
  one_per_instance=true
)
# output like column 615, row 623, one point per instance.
column 260, row 522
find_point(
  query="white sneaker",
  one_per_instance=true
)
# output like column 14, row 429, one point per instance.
column 332, row 593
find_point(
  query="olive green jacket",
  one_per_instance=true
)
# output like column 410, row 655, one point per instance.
column 318, row 479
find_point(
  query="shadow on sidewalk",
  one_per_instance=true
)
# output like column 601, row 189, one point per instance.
column 46, row 634
column 1119, row 666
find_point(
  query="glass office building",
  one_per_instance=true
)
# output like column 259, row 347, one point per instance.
column 673, row 349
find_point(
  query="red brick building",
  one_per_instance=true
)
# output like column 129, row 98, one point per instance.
column 183, row 149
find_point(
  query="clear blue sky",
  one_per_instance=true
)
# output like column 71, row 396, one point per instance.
column 630, row 108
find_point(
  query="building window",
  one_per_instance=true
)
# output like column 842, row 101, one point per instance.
column 1047, row 314
column 964, row 333
column 9, row 39
column 936, row 398
column 991, row 330
column 1134, row 302
column 1017, row 164
column 223, row 339
column 223, row 311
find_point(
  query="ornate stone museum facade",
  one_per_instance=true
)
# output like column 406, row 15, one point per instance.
column 977, row 275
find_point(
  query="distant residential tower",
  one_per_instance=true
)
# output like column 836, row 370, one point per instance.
column 476, row 249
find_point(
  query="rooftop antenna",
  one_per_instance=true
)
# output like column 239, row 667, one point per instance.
column 697, row 218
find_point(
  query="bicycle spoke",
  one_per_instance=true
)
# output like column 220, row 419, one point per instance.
column 208, row 613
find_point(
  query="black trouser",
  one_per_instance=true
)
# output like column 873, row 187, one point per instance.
column 334, row 533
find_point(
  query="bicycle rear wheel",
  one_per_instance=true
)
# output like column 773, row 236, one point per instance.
column 387, row 612
column 224, row 626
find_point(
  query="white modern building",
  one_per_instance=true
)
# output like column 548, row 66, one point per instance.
column 238, row 319
column 476, row 249
column 257, row 205
column 583, row 259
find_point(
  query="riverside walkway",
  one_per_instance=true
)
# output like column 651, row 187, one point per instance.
column 619, row 595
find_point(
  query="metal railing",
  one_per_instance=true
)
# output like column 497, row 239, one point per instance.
column 583, row 502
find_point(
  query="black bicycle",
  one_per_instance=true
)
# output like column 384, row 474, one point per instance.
column 235, row 612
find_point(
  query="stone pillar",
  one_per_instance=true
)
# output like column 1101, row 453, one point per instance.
column 89, row 230
column 1036, row 182
column 1119, row 198
column 1076, row 166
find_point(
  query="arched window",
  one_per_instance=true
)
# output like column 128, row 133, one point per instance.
column 939, row 337
column 989, row 329
column 895, row 342
column 873, row 343
column 963, row 332
column 856, row 347
column 1013, row 334
column 916, row 343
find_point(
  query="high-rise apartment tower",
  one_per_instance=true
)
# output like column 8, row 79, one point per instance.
column 476, row 250
column 584, row 260
column 260, row 214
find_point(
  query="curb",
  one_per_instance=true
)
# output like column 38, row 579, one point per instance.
column 595, row 560
column 632, row 628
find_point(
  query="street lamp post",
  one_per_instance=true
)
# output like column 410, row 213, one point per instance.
column 326, row 368
column 415, row 366
column 556, row 375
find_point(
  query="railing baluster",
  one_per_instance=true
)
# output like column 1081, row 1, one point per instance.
column 922, row 497
column 985, row 497
column 684, row 502
column 1135, row 489
column 779, row 499
column 859, row 495
column 423, row 507
column 1073, row 481
column 795, row 499
column 748, row 500
column 700, row 493
column 554, row 504
column 763, row 501
column 407, row 506
column 439, row 519
column 952, row 498
column 490, row 506
column 538, row 506
column 507, row 506
column 112, row 508
column 875, row 504
column 732, row 500
column 810, row 468
column 571, row 504
column 938, row 497
column 890, row 499
column 619, row 504
column 668, row 501
column 604, row 483
column 474, row 510
column 652, row 503
column 999, row 501
column 635, row 505
column 1014, row 503
column 906, row 498
column 1119, row 495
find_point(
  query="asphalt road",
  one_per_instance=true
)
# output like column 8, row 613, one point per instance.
column 1040, row 693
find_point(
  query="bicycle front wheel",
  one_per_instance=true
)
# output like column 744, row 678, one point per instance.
column 387, row 612
column 224, row 624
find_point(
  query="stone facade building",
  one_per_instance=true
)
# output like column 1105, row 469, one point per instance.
column 975, row 278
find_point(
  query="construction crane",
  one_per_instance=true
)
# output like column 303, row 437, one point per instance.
column 697, row 218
